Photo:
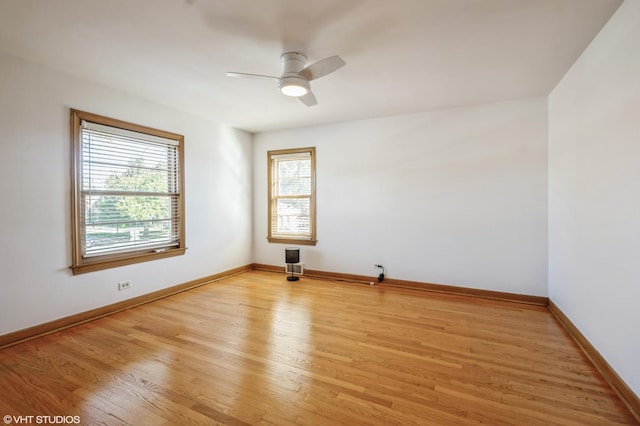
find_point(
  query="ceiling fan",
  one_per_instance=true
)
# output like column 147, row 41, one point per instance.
column 295, row 78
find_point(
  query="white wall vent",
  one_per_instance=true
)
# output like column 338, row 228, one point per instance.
column 298, row 268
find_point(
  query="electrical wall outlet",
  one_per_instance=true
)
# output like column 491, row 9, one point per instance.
column 124, row 285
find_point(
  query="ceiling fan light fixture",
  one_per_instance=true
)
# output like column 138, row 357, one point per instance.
column 294, row 86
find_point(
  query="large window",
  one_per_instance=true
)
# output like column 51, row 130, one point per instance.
column 128, row 197
column 292, row 204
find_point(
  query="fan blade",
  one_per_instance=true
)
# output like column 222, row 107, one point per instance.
column 322, row 68
column 309, row 99
column 246, row 75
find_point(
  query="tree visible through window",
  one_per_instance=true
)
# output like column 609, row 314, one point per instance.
column 128, row 203
column 292, row 196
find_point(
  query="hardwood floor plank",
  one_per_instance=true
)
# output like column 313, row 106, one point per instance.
column 255, row 349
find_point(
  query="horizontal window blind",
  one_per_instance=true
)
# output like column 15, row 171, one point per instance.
column 291, row 195
column 129, row 192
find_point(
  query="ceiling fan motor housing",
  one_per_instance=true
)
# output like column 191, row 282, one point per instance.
column 291, row 83
column 293, row 62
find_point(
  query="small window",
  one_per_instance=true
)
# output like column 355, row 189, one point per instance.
column 292, row 204
column 128, row 197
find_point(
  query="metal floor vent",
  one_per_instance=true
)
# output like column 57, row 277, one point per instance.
column 298, row 268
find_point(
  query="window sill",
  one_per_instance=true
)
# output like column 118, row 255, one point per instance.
column 292, row 241
column 99, row 264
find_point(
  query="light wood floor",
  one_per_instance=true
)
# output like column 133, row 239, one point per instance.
column 257, row 349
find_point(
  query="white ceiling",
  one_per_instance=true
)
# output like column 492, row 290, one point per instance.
column 402, row 56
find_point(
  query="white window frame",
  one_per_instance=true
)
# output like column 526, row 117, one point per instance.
column 81, row 261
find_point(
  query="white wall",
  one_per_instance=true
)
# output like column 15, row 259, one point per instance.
column 36, row 285
column 451, row 197
column 594, row 193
